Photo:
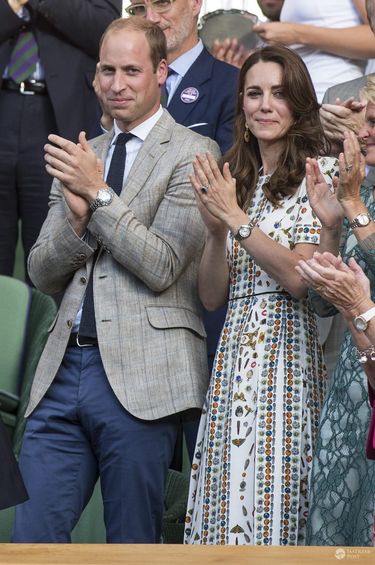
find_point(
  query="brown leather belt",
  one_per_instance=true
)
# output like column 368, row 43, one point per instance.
column 25, row 87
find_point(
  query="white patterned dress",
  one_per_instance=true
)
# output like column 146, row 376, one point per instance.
column 250, row 474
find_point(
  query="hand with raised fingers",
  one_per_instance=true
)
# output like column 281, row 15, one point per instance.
column 277, row 32
column 352, row 169
column 16, row 5
column 346, row 286
column 322, row 197
column 341, row 117
column 230, row 51
column 75, row 165
column 215, row 189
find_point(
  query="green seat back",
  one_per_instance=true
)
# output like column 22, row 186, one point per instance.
column 14, row 306
column 42, row 312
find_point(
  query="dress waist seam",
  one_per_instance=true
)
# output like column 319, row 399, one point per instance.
column 284, row 292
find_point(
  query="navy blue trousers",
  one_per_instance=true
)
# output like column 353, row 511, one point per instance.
column 78, row 432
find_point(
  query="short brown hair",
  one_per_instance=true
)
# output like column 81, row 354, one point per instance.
column 154, row 35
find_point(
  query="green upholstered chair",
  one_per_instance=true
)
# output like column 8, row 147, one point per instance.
column 15, row 299
column 176, row 494
column 25, row 318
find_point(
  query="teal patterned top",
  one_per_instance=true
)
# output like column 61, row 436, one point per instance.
column 342, row 496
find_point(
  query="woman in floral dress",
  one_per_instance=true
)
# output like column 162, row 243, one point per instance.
column 250, row 474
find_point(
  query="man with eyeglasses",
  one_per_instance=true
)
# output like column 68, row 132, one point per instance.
column 200, row 89
column 201, row 96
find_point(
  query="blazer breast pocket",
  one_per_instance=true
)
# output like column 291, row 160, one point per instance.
column 203, row 128
column 167, row 317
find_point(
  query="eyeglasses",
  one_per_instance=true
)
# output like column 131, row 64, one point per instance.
column 158, row 6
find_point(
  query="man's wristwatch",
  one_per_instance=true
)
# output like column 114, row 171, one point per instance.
column 361, row 220
column 244, row 231
column 104, row 197
column 361, row 322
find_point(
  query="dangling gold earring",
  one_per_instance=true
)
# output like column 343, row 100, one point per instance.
column 246, row 135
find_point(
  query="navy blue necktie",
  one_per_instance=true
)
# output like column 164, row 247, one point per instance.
column 115, row 178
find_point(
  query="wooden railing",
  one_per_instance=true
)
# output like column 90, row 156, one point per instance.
column 97, row 554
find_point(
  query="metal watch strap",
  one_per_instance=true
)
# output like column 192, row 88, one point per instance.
column 355, row 222
column 98, row 203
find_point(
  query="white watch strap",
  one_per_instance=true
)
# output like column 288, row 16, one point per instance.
column 369, row 314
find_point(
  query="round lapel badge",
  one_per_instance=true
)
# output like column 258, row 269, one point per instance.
column 189, row 95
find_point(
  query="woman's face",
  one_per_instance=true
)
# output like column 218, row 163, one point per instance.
column 367, row 134
column 267, row 112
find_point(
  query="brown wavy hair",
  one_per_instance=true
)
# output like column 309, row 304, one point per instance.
column 305, row 138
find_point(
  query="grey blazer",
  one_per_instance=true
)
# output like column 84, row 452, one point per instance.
column 150, row 333
column 344, row 90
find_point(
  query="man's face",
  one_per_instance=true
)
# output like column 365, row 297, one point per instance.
column 179, row 24
column 370, row 7
column 271, row 8
column 129, row 85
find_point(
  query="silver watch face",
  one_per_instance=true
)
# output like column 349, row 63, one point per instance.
column 104, row 196
column 363, row 219
column 360, row 323
column 244, row 231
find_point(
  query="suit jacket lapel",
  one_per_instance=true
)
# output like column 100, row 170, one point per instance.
column 100, row 145
column 152, row 149
column 149, row 154
column 199, row 73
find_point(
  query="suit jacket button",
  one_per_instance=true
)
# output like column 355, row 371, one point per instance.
column 83, row 280
column 69, row 323
column 81, row 256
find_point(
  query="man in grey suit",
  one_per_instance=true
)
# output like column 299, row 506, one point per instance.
column 107, row 400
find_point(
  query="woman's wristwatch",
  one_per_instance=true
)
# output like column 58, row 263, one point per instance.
column 361, row 220
column 361, row 322
column 244, row 231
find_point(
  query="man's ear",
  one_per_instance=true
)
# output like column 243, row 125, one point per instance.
column 162, row 72
column 196, row 5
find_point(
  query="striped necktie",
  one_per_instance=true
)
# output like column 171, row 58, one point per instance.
column 24, row 57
